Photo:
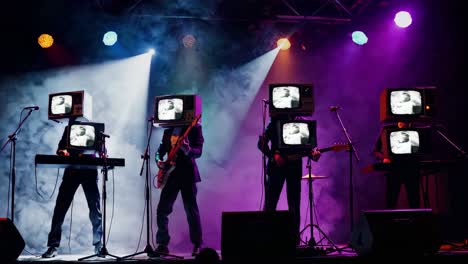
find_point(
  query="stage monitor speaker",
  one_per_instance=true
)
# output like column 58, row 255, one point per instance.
column 257, row 235
column 402, row 232
column 11, row 241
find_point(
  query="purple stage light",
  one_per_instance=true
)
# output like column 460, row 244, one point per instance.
column 403, row 19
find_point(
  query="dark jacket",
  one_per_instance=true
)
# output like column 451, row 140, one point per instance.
column 186, row 166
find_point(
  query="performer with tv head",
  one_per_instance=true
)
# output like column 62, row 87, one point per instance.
column 183, row 178
column 404, row 169
column 72, row 179
column 283, row 167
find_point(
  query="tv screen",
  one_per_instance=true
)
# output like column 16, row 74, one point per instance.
column 85, row 135
column 170, row 109
column 61, row 104
column 405, row 102
column 286, row 97
column 291, row 99
column 296, row 136
column 404, row 142
column 176, row 110
column 295, row 133
column 70, row 104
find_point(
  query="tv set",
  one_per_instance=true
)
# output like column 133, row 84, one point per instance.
column 174, row 110
column 407, row 104
column 406, row 141
column 291, row 99
column 296, row 136
column 70, row 104
column 85, row 135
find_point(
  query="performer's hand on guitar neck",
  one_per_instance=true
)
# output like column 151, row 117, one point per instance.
column 63, row 152
column 315, row 154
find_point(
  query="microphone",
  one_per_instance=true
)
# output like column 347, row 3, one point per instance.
column 265, row 101
column 333, row 108
column 32, row 107
column 104, row 135
column 56, row 121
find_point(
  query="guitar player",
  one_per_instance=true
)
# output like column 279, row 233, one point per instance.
column 282, row 168
column 183, row 178
column 72, row 179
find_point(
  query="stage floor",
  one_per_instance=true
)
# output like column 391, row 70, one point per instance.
column 447, row 254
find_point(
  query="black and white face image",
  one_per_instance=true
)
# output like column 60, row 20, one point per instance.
column 286, row 97
column 404, row 142
column 61, row 104
column 170, row 109
column 82, row 136
column 405, row 102
column 295, row 133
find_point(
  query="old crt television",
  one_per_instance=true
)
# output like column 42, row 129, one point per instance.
column 85, row 136
column 296, row 136
column 174, row 110
column 401, row 142
column 70, row 104
column 291, row 98
column 410, row 104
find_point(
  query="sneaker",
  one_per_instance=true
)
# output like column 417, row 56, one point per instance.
column 196, row 250
column 97, row 250
column 160, row 250
column 50, row 253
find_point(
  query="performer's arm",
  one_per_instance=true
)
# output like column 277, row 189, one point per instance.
column 378, row 152
column 194, row 148
column 262, row 143
column 162, row 149
column 62, row 146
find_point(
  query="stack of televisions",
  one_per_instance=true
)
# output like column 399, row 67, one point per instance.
column 77, row 107
column 169, row 110
column 289, row 104
column 415, row 107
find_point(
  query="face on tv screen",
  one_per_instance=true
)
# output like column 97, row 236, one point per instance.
column 405, row 102
column 61, row 104
column 285, row 97
column 82, row 136
column 170, row 109
column 404, row 142
column 295, row 133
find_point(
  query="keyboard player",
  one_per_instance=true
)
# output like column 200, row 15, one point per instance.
column 72, row 179
column 405, row 171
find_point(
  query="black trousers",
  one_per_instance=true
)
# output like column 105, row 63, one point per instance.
column 408, row 176
column 70, row 183
column 188, row 189
column 291, row 172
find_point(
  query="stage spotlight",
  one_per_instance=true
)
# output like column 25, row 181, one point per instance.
column 45, row 41
column 359, row 37
column 110, row 38
column 188, row 41
column 403, row 19
column 283, row 43
column 151, row 52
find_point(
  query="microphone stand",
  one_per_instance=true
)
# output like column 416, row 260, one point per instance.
column 460, row 150
column 352, row 152
column 146, row 157
column 12, row 138
column 103, row 252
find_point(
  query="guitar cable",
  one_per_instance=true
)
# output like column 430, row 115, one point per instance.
column 55, row 187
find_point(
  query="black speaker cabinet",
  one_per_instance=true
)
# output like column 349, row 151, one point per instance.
column 11, row 241
column 396, row 232
column 257, row 235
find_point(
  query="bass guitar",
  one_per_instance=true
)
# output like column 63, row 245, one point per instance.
column 169, row 164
